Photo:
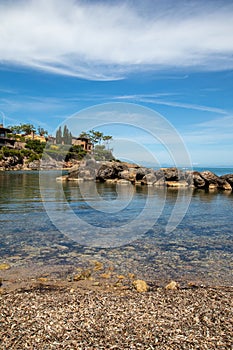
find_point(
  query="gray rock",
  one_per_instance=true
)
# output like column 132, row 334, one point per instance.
column 127, row 175
column 149, row 179
column 171, row 174
column 159, row 174
column 141, row 172
column 106, row 172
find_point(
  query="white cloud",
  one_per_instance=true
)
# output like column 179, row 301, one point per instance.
column 153, row 98
column 100, row 40
column 217, row 131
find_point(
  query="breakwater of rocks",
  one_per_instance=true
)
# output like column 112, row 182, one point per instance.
column 126, row 173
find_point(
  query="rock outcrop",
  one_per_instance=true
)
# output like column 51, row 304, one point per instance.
column 228, row 178
column 212, row 181
column 125, row 173
column 23, row 163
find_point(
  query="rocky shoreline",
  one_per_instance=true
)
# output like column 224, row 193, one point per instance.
column 13, row 163
column 126, row 173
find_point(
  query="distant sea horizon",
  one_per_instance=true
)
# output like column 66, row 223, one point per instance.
column 218, row 170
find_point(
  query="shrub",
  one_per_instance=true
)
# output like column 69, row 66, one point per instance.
column 35, row 145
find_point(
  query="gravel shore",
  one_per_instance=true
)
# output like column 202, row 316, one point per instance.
column 55, row 316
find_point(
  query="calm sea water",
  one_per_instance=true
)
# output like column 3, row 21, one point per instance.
column 154, row 232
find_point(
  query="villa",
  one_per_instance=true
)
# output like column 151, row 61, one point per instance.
column 84, row 142
column 4, row 139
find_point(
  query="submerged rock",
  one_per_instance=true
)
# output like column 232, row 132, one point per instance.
column 4, row 266
column 140, row 286
column 173, row 285
column 83, row 275
column 181, row 183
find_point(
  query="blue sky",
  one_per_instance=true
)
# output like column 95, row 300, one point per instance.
column 176, row 58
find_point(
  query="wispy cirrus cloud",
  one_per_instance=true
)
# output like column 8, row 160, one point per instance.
column 156, row 99
column 217, row 131
column 100, row 40
column 7, row 91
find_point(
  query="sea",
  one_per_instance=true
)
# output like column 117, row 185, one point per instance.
column 158, row 234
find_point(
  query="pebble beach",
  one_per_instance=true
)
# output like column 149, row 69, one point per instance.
column 107, row 312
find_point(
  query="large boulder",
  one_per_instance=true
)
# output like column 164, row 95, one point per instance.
column 171, row 174
column 149, row 179
column 86, row 170
column 198, row 180
column 107, row 172
column 128, row 175
column 159, row 174
column 141, row 172
column 213, row 181
column 228, row 178
column 87, row 174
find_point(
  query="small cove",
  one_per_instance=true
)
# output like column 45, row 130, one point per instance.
column 200, row 248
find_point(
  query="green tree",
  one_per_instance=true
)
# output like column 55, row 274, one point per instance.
column 95, row 136
column 84, row 134
column 42, row 131
column 15, row 129
column 67, row 136
column 75, row 152
column 70, row 136
column 101, row 153
column 23, row 129
column 36, row 146
column 28, row 128
column 107, row 139
column 59, row 136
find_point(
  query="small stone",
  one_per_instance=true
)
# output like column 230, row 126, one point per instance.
column 4, row 266
column 120, row 277
column 106, row 275
column 172, row 286
column 96, row 283
column 192, row 284
column 98, row 266
column 1, row 290
column 42, row 279
column 141, row 286
column 118, row 284
column 85, row 274
column 131, row 275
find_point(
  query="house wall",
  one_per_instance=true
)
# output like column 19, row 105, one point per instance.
column 84, row 143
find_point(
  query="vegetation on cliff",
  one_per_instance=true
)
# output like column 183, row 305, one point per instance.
column 30, row 144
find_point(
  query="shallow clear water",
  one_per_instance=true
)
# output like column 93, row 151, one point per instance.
column 47, row 222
